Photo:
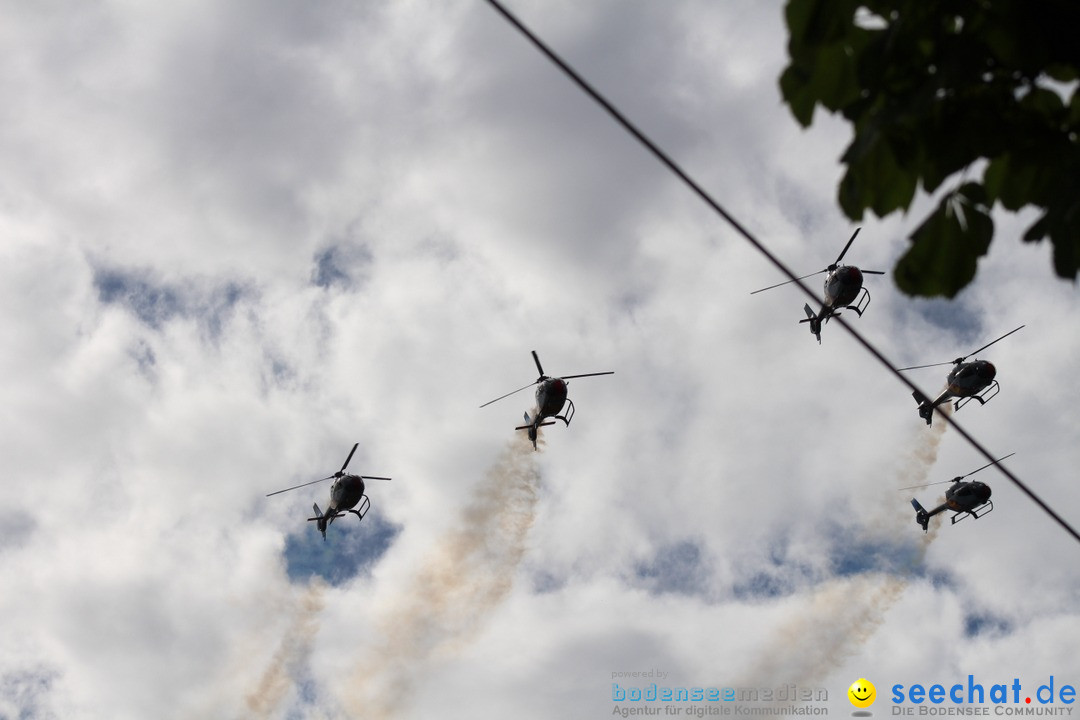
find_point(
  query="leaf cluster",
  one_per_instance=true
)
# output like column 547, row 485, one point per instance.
column 931, row 89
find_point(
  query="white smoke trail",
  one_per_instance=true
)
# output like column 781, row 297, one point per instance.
column 844, row 612
column 291, row 656
column 468, row 572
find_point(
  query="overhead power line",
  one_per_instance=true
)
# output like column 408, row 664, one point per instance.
column 666, row 160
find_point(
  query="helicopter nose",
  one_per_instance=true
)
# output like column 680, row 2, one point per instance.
column 987, row 371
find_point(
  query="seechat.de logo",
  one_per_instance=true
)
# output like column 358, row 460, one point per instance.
column 862, row 694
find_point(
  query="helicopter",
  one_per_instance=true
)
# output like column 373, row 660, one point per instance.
column 346, row 492
column 843, row 290
column 550, row 398
column 964, row 498
column 967, row 380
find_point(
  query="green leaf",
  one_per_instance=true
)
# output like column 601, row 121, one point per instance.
column 1042, row 101
column 1067, row 254
column 1063, row 221
column 1037, row 231
column 973, row 193
column 818, row 22
column 822, row 45
column 1062, row 73
column 1074, row 109
column 795, row 87
column 945, row 249
column 875, row 179
column 1014, row 182
column 834, row 79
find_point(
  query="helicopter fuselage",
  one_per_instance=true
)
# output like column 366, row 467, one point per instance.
column 971, row 378
column 345, row 493
column 967, row 496
column 550, row 398
column 966, row 380
column 970, row 497
column 843, row 290
column 842, row 286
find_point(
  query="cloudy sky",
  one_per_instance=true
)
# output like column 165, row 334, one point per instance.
column 237, row 238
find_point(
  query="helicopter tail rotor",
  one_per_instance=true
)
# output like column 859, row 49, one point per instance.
column 324, row 519
column 926, row 410
column 921, row 516
column 533, row 427
column 320, row 519
column 814, row 320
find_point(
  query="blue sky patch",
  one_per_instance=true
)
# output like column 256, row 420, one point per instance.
column 675, row 568
column 341, row 266
column 350, row 548
column 156, row 303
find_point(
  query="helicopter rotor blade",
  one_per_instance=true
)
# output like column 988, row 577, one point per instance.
column 278, row 492
column 567, row 377
column 536, row 359
column 918, row 367
column 939, row 482
column 959, row 360
column 873, row 272
column 786, row 282
column 374, row 477
column 959, row 477
column 989, row 464
column 844, row 251
column 342, row 470
column 509, row 394
column 976, row 352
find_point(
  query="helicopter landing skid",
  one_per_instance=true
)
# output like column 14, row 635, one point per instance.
column 983, row 397
column 862, row 300
column 361, row 510
column 976, row 513
column 569, row 413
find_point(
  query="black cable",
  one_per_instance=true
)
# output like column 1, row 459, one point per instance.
column 700, row 192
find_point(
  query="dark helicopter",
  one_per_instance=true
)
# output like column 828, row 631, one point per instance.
column 964, row 498
column 346, row 492
column 843, row 291
column 967, row 380
column 550, row 398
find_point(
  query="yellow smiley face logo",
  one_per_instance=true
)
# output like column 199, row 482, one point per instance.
column 862, row 693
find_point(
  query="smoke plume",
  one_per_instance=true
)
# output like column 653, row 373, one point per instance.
column 467, row 573
column 844, row 612
column 291, row 656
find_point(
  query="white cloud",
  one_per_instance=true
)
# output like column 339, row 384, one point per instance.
column 238, row 240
